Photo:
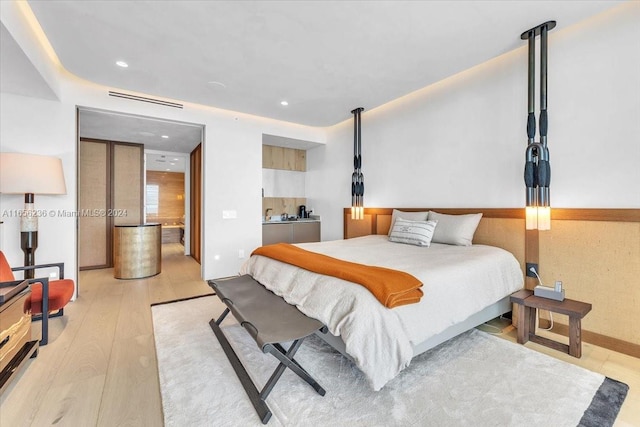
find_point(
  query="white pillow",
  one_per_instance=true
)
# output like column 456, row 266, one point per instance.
column 417, row 233
column 411, row 216
column 455, row 229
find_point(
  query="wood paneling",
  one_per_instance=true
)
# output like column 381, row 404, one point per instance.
column 503, row 228
column 127, row 169
column 283, row 158
column 630, row 348
column 110, row 186
column 171, row 233
column 613, row 215
column 93, row 196
column 531, row 249
column 598, row 262
column 195, row 215
column 170, row 197
column 594, row 252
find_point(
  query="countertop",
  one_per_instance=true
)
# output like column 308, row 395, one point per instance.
column 289, row 221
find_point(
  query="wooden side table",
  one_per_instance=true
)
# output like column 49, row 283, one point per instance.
column 528, row 302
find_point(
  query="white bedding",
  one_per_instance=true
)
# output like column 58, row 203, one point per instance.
column 457, row 282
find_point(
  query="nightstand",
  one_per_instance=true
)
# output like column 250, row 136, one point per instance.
column 528, row 302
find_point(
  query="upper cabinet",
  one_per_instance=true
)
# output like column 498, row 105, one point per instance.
column 282, row 158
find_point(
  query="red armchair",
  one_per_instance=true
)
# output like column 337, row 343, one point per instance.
column 58, row 292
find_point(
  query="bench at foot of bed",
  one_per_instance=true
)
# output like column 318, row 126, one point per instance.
column 270, row 321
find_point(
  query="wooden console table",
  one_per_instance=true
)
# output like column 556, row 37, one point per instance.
column 528, row 302
column 16, row 345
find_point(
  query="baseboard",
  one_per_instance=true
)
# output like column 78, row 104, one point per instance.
column 601, row 340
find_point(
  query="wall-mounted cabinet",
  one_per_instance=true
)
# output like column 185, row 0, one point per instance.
column 283, row 179
column 290, row 159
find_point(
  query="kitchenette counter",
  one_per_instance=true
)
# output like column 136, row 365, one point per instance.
column 291, row 231
column 288, row 221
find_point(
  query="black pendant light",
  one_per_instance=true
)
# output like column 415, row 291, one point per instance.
column 357, row 178
column 537, row 171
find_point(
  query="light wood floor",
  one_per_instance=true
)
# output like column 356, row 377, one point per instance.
column 100, row 366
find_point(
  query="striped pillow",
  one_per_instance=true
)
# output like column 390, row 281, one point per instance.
column 417, row 233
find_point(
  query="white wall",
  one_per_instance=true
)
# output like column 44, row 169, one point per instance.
column 456, row 143
column 232, row 170
column 461, row 142
column 232, row 156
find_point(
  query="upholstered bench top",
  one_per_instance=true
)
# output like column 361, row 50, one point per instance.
column 266, row 316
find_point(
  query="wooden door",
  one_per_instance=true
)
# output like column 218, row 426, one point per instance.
column 127, row 167
column 110, row 178
column 94, row 198
column 196, row 202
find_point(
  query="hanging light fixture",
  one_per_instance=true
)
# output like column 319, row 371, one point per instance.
column 537, row 171
column 357, row 178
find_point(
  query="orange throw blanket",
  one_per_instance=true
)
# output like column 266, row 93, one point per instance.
column 391, row 287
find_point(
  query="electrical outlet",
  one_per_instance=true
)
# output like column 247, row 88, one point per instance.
column 240, row 253
column 535, row 267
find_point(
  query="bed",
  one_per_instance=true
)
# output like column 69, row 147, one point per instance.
column 463, row 286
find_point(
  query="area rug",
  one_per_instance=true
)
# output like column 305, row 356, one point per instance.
column 474, row 379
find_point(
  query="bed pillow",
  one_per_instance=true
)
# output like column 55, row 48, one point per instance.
column 417, row 233
column 411, row 216
column 455, row 229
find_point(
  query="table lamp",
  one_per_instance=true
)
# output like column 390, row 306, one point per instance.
column 30, row 174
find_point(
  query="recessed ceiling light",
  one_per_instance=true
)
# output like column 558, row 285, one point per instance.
column 217, row 84
column 168, row 169
column 165, row 136
column 176, row 159
column 285, row 103
column 122, row 64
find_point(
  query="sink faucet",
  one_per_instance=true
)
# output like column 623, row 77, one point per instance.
column 266, row 214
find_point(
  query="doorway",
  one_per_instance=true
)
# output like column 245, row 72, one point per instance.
column 152, row 135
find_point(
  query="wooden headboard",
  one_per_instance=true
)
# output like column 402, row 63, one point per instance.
column 501, row 227
column 594, row 252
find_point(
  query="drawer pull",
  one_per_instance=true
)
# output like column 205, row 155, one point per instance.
column 4, row 341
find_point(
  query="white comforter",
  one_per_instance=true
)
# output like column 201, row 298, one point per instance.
column 457, row 281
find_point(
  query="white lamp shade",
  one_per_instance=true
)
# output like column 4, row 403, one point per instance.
column 544, row 218
column 31, row 173
column 531, row 214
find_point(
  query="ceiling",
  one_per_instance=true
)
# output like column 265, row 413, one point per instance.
column 17, row 74
column 165, row 138
column 165, row 162
column 324, row 58
column 158, row 134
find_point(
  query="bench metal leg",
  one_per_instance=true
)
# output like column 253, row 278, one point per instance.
column 287, row 361
column 285, row 357
column 264, row 413
column 222, row 316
